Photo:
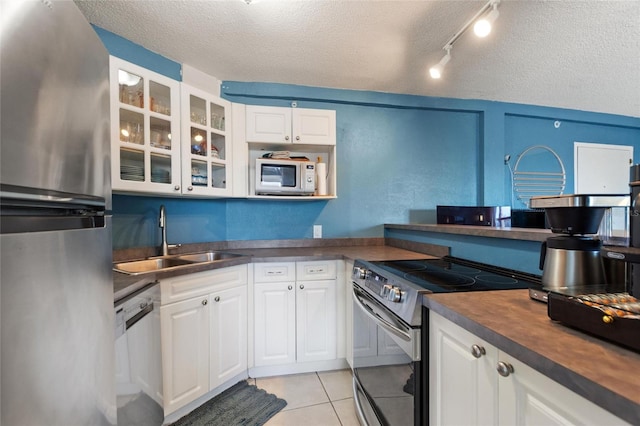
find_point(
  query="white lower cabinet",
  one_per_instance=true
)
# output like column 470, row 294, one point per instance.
column 316, row 320
column 295, row 313
column 185, row 351
column 495, row 388
column 275, row 323
column 203, row 332
column 228, row 335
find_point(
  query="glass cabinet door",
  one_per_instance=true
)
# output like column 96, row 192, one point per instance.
column 145, row 130
column 206, row 143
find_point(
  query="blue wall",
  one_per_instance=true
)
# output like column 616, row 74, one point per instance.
column 398, row 156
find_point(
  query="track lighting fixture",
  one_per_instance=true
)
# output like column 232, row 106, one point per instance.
column 436, row 70
column 482, row 28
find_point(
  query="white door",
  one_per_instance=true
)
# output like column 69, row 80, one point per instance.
column 314, row 126
column 185, row 351
column 268, row 124
column 228, row 334
column 530, row 398
column 275, row 323
column 602, row 169
column 463, row 388
column 316, row 320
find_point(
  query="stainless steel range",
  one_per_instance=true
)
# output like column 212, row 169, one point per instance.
column 390, row 326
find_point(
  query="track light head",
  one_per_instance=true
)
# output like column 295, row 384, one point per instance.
column 482, row 27
column 436, row 70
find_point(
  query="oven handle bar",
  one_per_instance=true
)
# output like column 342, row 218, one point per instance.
column 357, row 389
column 391, row 328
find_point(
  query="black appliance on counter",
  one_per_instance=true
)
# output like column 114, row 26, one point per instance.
column 498, row 216
column 634, row 227
column 571, row 258
column 610, row 311
column 599, row 311
column 529, row 218
column 391, row 377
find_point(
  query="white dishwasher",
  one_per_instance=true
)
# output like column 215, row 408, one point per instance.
column 139, row 358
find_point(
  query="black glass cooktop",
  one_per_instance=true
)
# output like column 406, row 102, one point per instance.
column 451, row 274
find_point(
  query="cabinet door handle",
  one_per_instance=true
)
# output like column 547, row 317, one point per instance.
column 477, row 351
column 301, row 286
column 290, row 287
column 177, row 187
column 204, row 302
column 286, row 138
column 504, row 368
column 190, row 188
column 217, row 298
column 297, row 138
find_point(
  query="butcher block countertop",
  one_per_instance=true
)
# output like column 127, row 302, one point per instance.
column 601, row 372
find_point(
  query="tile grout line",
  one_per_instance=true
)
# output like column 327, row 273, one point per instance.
column 329, row 398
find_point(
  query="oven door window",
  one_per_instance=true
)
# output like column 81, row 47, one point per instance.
column 385, row 374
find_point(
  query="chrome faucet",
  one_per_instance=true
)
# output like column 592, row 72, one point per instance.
column 164, row 246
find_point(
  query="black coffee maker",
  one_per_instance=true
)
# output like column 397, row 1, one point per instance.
column 572, row 259
column 634, row 229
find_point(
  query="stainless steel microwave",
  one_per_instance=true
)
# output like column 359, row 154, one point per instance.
column 285, row 177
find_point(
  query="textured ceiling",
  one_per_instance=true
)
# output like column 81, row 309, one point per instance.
column 578, row 54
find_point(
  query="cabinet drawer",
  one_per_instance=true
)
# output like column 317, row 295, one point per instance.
column 316, row 270
column 201, row 283
column 274, row 272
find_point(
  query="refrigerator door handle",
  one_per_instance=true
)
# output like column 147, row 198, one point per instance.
column 30, row 197
column 22, row 224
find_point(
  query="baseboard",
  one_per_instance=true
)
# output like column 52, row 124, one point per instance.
column 298, row 368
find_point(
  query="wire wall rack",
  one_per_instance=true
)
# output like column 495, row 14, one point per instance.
column 532, row 180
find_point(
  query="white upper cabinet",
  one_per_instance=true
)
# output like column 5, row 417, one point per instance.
column 145, row 130
column 206, row 147
column 290, row 125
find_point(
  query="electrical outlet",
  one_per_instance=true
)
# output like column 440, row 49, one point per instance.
column 317, row 231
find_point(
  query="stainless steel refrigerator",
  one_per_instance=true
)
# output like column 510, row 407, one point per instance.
column 56, row 293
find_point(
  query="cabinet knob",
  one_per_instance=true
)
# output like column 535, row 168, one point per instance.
column 190, row 188
column 301, row 286
column 290, row 287
column 286, row 138
column 297, row 138
column 177, row 187
column 504, row 368
column 204, row 302
column 217, row 298
column 477, row 351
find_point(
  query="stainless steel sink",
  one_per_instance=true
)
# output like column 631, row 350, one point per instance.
column 163, row 263
column 150, row 265
column 210, row 256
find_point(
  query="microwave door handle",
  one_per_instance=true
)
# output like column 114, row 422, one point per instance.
column 391, row 328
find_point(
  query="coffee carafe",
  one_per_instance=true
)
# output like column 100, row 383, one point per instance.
column 572, row 258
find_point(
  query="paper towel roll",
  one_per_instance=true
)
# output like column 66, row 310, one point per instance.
column 321, row 178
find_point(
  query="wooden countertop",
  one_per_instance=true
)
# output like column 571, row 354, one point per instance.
column 601, row 372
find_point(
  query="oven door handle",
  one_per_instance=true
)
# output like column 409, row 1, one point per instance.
column 391, row 328
column 357, row 388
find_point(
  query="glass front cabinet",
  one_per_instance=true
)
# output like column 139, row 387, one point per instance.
column 206, row 143
column 145, row 130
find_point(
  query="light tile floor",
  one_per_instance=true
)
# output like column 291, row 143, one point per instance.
column 313, row 399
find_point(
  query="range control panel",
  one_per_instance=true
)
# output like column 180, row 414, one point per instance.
column 379, row 285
